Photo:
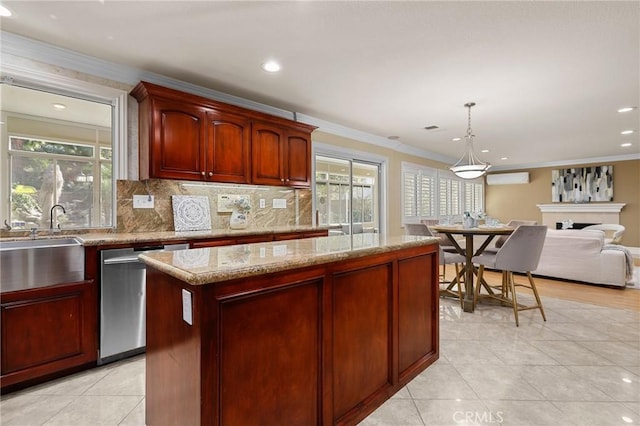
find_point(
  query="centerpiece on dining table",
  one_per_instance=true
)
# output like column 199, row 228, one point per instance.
column 471, row 219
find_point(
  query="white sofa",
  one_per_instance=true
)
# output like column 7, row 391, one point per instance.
column 581, row 255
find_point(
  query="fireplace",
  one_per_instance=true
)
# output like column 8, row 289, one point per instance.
column 576, row 225
column 585, row 213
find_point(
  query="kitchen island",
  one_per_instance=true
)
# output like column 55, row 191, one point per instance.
column 318, row 331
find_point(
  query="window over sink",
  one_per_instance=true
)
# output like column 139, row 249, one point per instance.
column 58, row 147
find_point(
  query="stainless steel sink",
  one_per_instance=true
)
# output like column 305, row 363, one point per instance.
column 40, row 262
column 36, row 244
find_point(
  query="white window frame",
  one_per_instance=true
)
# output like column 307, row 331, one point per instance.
column 21, row 75
column 452, row 209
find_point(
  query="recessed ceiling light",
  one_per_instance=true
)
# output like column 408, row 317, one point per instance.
column 271, row 66
column 626, row 109
column 456, row 139
column 485, row 150
column 4, row 12
column 626, row 132
column 627, row 419
column 504, row 158
column 626, row 144
column 59, row 107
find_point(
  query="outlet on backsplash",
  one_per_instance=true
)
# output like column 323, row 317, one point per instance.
column 143, row 202
column 279, row 203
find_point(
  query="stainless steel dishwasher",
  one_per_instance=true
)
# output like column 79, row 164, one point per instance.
column 122, row 301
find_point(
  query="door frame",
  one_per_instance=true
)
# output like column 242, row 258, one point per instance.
column 319, row 148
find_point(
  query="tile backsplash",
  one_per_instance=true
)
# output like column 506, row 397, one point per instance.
column 298, row 210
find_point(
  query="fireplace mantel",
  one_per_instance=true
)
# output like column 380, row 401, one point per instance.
column 581, row 207
column 583, row 212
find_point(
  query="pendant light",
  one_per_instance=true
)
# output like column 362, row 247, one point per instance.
column 469, row 166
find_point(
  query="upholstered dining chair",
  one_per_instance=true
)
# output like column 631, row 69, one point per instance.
column 612, row 232
column 513, row 223
column 520, row 253
column 446, row 258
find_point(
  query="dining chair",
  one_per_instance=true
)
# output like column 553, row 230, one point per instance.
column 520, row 253
column 446, row 258
column 513, row 223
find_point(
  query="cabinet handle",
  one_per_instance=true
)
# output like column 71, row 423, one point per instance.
column 210, row 173
column 202, row 173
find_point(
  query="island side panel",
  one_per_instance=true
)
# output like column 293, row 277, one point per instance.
column 173, row 353
column 362, row 342
column 270, row 356
column 418, row 305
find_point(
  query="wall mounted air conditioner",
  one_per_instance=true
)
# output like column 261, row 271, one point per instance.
column 508, row 178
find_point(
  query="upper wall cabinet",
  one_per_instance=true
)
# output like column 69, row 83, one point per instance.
column 280, row 156
column 183, row 136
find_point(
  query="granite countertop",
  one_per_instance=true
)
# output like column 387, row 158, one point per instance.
column 217, row 264
column 100, row 238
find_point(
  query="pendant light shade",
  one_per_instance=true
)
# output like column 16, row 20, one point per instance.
column 469, row 166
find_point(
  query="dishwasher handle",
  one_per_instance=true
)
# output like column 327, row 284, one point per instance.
column 148, row 248
column 121, row 259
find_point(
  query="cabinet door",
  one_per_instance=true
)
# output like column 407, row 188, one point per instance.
column 267, row 150
column 177, row 143
column 47, row 330
column 298, row 159
column 227, row 147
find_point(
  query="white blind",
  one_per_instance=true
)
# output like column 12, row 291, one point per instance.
column 429, row 193
column 409, row 194
column 473, row 197
column 427, row 196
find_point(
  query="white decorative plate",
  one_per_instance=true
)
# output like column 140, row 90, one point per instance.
column 191, row 213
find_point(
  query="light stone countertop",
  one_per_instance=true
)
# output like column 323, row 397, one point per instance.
column 102, row 238
column 217, row 264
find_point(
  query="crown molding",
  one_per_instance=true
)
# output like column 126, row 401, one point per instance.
column 19, row 46
column 358, row 135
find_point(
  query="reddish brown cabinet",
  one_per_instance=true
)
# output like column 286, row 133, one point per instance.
column 183, row 136
column 178, row 147
column 316, row 345
column 227, row 147
column 47, row 331
column 189, row 140
column 281, row 157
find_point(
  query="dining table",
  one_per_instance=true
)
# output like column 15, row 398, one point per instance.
column 469, row 252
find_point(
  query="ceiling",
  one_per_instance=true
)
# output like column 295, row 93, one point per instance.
column 547, row 77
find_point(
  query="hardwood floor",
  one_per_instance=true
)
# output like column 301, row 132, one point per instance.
column 612, row 297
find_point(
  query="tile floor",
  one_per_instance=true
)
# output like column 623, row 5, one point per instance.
column 581, row 367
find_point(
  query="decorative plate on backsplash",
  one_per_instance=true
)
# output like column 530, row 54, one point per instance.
column 191, row 213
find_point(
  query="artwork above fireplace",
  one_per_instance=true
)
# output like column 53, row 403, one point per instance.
column 582, row 184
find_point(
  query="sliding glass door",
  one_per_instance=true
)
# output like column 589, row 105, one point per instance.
column 347, row 194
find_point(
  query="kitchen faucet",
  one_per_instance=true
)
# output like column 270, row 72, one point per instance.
column 51, row 216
